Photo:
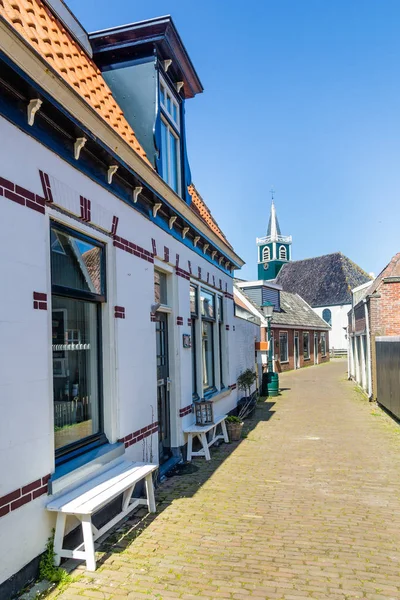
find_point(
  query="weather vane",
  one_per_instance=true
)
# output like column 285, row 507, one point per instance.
column 272, row 192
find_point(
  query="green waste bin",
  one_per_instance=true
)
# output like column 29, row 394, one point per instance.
column 273, row 384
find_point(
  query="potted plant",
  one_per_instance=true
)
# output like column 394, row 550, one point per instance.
column 245, row 382
column 234, row 426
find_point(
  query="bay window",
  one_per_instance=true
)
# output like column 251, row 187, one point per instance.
column 78, row 291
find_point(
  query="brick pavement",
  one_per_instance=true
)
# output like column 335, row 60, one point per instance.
column 307, row 506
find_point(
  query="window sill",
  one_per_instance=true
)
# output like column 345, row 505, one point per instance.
column 84, row 466
column 218, row 394
column 305, row 359
column 284, row 362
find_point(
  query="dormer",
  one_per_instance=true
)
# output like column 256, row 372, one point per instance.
column 151, row 75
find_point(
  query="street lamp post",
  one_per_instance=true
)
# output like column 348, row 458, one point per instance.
column 272, row 378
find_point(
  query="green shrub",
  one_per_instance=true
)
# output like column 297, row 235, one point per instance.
column 233, row 419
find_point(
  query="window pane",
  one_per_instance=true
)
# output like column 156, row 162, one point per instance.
column 306, row 345
column 168, row 103
column 193, row 300
column 221, row 372
column 207, row 304
column 175, row 112
column 75, row 263
column 220, row 308
column 283, row 347
column 164, row 152
column 194, row 365
column 173, row 157
column 160, row 287
column 207, row 354
column 162, row 95
column 75, row 370
column 327, row 316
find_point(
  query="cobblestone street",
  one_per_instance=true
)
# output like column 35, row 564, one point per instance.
column 306, row 506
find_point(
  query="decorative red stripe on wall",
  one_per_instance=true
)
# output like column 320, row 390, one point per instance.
column 45, row 180
column 114, row 225
column 182, row 273
column 119, row 312
column 179, row 320
column 166, row 254
column 39, row 301
column 21, row 496
column 140, row 434
column 186, row 411
column 21, row 196
column 86, row 210
column 132, row 248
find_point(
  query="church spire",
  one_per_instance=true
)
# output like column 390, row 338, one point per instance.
column 273, row 225
column 274, row 250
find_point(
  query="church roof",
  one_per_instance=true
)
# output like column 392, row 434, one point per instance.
column 273, row 225
column 323, row 280
column 296, row 312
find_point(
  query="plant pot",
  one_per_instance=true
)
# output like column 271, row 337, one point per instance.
column 234, row 431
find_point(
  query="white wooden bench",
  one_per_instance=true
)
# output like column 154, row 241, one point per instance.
column 200, row 431
column 92, row 495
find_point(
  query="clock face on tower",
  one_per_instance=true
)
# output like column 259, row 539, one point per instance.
column 266, row 265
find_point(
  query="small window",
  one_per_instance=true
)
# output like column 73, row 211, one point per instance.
column 283, row 347
column 327, row 316
column 323, row 344
column 266, row 254
column 160, row 288
column 282, row 253
column 306, row 345
column 169, row 104
column 207, row 301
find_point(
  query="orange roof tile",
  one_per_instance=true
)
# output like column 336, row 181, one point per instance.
column 45, row 33
column 38, row 26
column 201, row 208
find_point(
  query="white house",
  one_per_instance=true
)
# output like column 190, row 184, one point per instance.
column 116, row 311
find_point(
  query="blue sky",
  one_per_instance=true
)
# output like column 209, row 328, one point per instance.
column 303, row 95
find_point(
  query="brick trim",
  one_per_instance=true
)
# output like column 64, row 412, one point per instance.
column 132, row 248
column 166, row 254
column 189, row 322
column 199, row 272
column 45, row 180
column 153, row 317
column 228, row 295
column 22, row 196
column 227, row 327
column 186, row 410
column 114, row 225
column 189, row 266
column 39, row 301
column 140, row 434
column 23, row 495
column 86, row 209
column 182, row 273
column 154, row 246
column 119, row 312
column 233, row 386
column 179, row 320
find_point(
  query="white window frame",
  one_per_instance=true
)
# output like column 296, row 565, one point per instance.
column 306, row 333
column 217, row 388
column 280, row 253
column 283, row 362
column 266, row 253
column 170, row 95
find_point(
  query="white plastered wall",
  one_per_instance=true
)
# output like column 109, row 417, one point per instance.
column 337, row 336
column 129, row 361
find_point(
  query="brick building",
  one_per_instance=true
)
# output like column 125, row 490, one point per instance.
column 299, row 336
column 375, row 313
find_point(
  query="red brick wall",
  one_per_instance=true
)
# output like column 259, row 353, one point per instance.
column 288, row 366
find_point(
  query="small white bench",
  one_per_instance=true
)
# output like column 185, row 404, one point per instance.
column 200, row 431
column 92, row 495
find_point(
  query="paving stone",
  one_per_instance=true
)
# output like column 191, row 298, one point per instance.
column 306, row 507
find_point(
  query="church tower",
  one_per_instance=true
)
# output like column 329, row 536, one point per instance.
column 274, row 250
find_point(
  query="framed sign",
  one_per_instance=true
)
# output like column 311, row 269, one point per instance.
column 187, row 340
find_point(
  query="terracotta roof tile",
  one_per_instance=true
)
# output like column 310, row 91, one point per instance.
column 38, row 26
column 34, row 21
column 200, row 207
